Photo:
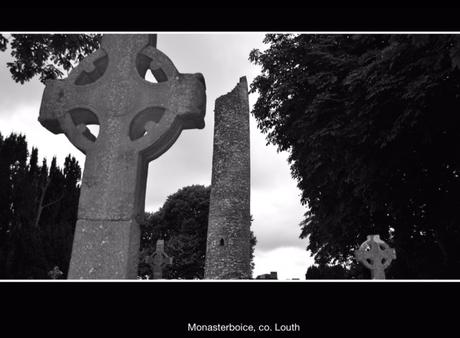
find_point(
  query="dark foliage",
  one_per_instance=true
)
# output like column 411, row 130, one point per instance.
column 46, row 55
column 371, row 123
column 324, row 271
column 38, row 211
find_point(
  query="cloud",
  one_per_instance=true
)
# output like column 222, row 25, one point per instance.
column 23, row 119
column 14, row 94
column 277, row 213
column 288, row 262
column 269, row 168
column 187, row 162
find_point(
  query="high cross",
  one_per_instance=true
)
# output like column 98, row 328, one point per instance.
column 375, row 255
column 138, row 121
column 159, row 260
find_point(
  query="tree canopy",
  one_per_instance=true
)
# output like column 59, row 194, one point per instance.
column 46, row 55
column 370, row 123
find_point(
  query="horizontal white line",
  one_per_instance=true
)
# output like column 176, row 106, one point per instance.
column 235, row 32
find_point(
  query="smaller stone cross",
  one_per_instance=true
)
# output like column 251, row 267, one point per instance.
column 158, row 260
column 55, row 273
column 375, row 255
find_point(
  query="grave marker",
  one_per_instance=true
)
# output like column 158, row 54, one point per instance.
column 375, row 255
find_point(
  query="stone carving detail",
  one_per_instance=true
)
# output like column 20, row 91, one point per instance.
column 138, row 122
column 375, row 255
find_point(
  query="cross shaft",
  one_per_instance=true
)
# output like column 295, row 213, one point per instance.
column 138, row 122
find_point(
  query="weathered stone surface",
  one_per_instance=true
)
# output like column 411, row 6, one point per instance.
column 113, row 246
column 228, row 252
column 159, row 260
column 139, row 121
column 375, row 255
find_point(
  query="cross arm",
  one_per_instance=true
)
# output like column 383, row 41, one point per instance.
column 389, row 254
column 362, row 257
column 66, row 108
column 60, row 96
column 183, row 100
column 161, row 66
column 159, row 136
column 89, row 69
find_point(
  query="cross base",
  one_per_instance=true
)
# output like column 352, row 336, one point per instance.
column 105, row 250
column 378, row 274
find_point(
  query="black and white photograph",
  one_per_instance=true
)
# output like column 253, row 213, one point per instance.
column 282, row 158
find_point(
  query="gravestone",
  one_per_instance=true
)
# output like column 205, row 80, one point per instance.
column 228, row 252
column 56, row 273
column 375, row 255
column 138, row 121
column 158, row 260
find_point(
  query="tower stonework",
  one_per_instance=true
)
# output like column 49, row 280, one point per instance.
column 228, row 253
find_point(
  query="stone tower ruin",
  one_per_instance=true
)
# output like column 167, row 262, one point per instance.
column 228, row 253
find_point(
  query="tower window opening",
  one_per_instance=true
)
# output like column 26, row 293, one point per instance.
column 221, row 242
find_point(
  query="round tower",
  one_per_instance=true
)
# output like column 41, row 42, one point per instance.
column 228, row 254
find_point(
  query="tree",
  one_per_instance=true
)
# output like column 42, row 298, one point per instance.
column 38, row 211
column 183, row 223
column 38, row 205
column 325, row 271
column 370, row 123
column 46, row 55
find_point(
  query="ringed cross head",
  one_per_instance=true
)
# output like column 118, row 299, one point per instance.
column 376, row 255
column 138, row 121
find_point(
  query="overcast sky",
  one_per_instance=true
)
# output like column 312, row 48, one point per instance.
column 222, row 58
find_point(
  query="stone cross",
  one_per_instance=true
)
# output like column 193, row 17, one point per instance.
column 56, row 273
column 375, row 255
column 139, row 121
column 158, row 260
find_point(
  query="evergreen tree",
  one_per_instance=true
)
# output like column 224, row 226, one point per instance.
column 38, row 209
